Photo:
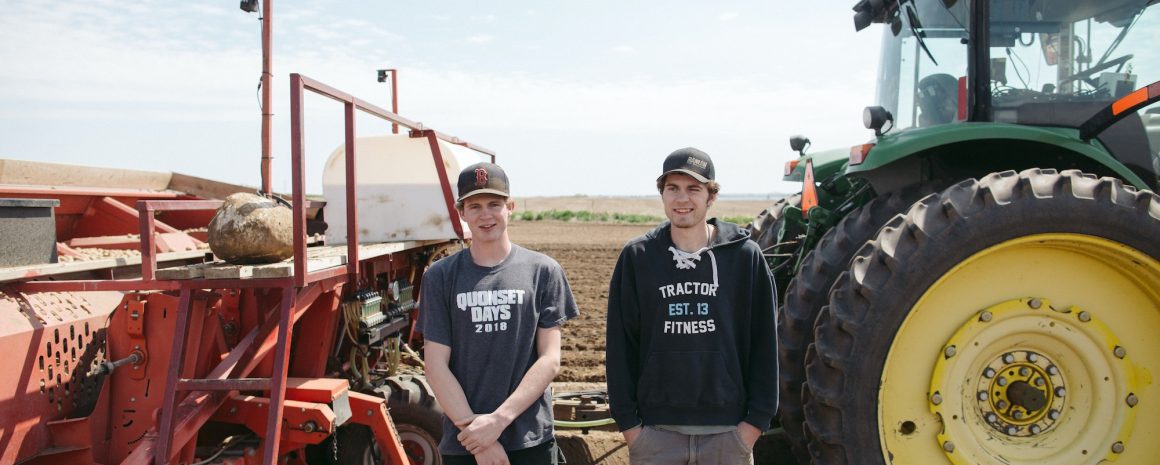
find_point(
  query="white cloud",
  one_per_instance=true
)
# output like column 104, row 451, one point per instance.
column 728, row 16
column 623, row 49
column 480, row 38
column 488, row 18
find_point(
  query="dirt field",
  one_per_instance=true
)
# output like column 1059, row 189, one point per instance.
column 636, row 205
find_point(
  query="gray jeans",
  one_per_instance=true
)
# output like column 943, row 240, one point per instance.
column 659, row 447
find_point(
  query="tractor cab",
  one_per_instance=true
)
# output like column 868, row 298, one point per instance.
column 1033, row 63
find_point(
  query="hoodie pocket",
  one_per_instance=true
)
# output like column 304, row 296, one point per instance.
column 689, row 379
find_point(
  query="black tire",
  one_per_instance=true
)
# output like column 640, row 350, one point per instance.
column 417, row 417
column 808, row 293
column 947, row 244
column 356, row 446
column 765, row 230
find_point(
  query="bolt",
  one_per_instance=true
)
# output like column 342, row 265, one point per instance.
column 989, row 373
column 1120, row 352
column 369, row 413
column 1011, row 430
column 1035, row 429
column 1118, row 447
column 949, row 352
column 1060, row 392
column 1008, row 358
column 1002, row 405
column 233, row 410
column 1002, row 381
column 982, row 395
column 1052, row 370
column 1040, row 382
column 1032, row 357
column 1018, row 415
column 137, row 347
column 1035, row 303
column 1053, row 414
column 132, row 399
column 936, row 398
column 949, row 446
column 1024, row 371
column 309, row 427
column 991, row 418
column 1085, row 316
column 1132, row 400
column 985, row 316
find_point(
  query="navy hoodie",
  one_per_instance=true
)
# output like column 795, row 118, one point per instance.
column 691, row 337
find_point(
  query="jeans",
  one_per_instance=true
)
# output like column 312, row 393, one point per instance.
column 659, row 447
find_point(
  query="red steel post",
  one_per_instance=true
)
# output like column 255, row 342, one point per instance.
column 444, row 182
column 267, row 109
column 278, row 377
column 351, row 196
column 298, row 168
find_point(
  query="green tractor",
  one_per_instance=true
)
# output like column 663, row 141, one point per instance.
column 980, row 282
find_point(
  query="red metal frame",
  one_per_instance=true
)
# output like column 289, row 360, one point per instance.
column 188, row 402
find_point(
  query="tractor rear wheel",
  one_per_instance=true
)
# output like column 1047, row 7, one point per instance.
column 810, row 291
column 417, row 417
column 1009, row 320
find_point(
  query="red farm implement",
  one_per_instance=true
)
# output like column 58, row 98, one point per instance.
column 154, row 352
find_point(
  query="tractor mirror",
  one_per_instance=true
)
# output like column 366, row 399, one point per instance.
column 799, row 143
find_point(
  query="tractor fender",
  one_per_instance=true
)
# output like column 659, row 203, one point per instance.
column 964, row 140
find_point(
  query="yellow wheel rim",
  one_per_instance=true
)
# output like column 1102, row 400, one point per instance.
column 1037, row 350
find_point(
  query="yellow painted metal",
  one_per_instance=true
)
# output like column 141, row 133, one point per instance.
column 1117, row 289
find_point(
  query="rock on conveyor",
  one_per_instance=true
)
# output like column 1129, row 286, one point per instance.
column 251, row 229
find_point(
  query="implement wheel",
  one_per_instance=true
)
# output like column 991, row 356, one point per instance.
column 777, row 243
column 1011, row 320
column 417, row 417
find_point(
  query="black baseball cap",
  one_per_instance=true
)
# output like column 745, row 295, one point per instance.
column 482, row 178
column 689, row 161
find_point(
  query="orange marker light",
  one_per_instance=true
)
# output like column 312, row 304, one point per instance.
column 1129, row 101
column 858, row 153
column 809, row 190
column 790, row 166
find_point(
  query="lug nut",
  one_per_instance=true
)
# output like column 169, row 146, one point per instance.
column 1052, row 370
column 1035, row 429
column 1008, row 358
column 1040, row 382
column 982, row 395
column 1118, row 447
column 1053, row 414
column 989, row 373
column 1120, row 352
column 949, row 351
column 1002, row 381
column 1018, row 415
column 1132, row 400
column 991, row 418
column 1035, row 303
column 1024, row 371
column 1032, row 357
column 1002, row 405
column 985, row 316
column 1011, row 430
column 950, row 446
column 1060, row 392
column 1085, row 316
column 936, row 398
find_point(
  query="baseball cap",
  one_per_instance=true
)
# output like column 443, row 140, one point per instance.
column 689, row 161
column 482, row 178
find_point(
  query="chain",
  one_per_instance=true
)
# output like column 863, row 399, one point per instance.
column 334, row 444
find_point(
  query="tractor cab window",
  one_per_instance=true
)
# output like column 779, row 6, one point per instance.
column 923, row 57
column 1058, row 63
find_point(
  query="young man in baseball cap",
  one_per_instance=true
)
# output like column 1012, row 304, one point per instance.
column 491, row 316
column 691, row 344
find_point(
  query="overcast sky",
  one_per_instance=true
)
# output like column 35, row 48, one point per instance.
column 575, row 97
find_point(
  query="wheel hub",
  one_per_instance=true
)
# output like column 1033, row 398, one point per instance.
column 1018, row 393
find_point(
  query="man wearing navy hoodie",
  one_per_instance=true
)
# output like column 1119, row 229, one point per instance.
column 691, row 343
